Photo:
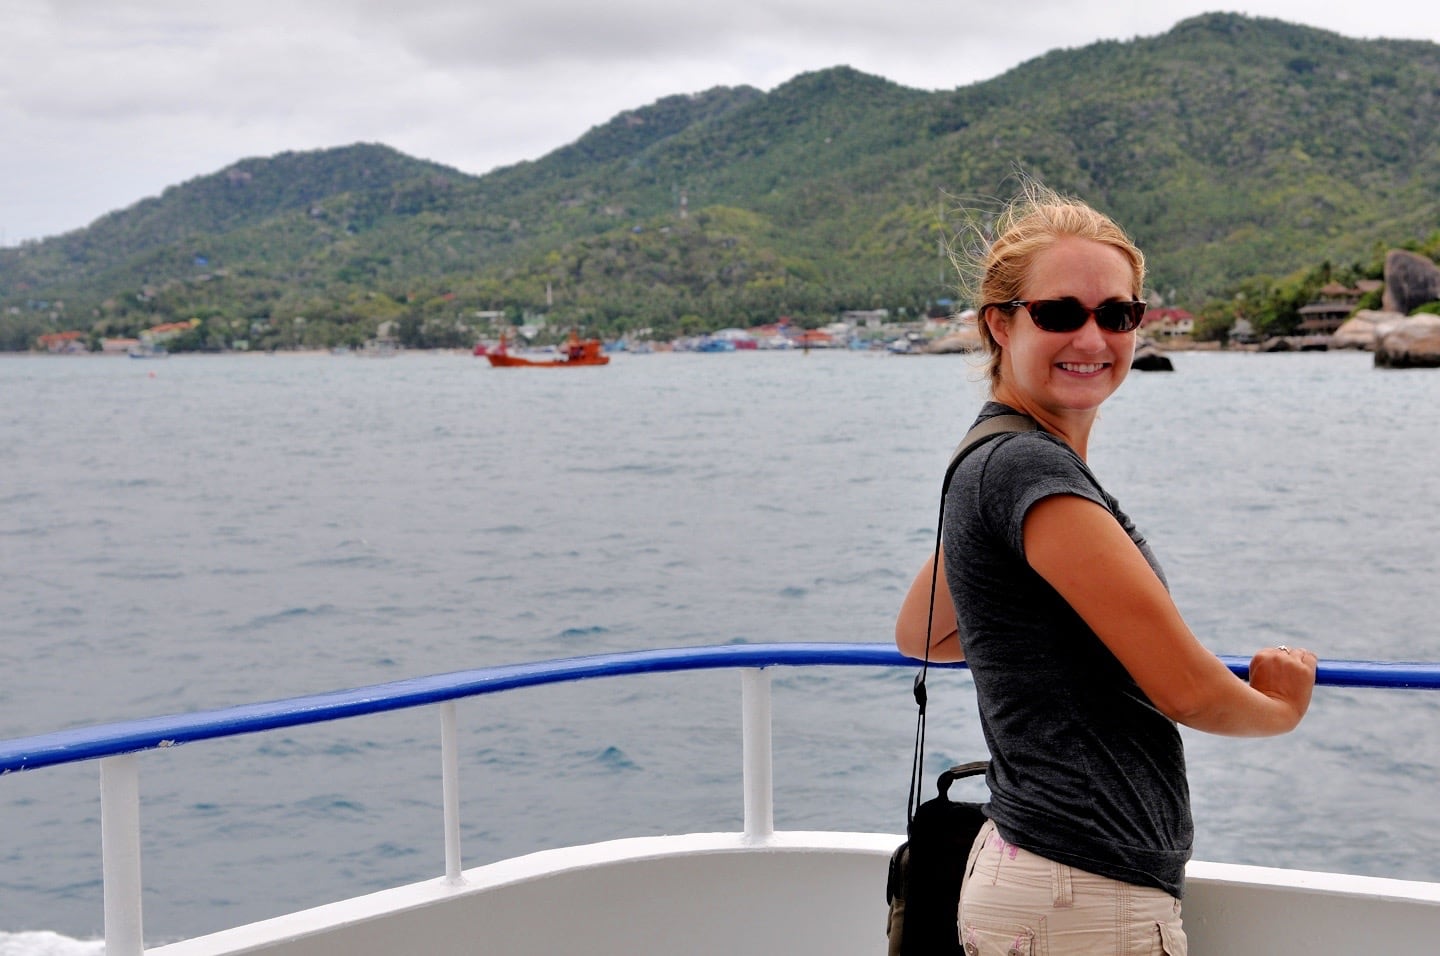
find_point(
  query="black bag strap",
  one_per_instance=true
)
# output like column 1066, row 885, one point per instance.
column 974, row 438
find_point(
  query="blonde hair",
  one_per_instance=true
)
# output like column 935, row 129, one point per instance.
column 995, row 270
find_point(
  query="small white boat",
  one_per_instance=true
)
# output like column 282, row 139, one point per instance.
column 758, row 891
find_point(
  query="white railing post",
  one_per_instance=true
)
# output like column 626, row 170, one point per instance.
column 450, row 788
column 120, row 854
column 758, row 767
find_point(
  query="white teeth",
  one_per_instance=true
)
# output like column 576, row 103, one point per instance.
column 1082, row 369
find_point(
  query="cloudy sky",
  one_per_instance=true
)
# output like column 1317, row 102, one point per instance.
column 106, row 102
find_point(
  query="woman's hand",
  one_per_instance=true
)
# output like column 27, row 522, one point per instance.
column 1285, row 674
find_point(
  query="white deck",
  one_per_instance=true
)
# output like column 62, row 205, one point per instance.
column 790, row 893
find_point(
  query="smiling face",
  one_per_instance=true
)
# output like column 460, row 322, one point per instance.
column 1064, row 376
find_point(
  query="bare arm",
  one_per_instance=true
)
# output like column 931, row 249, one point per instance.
column 1081, row 550
column 910, row 623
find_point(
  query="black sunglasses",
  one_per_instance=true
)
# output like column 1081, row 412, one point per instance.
column 1067, row 315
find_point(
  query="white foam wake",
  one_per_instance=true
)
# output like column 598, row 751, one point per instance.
column 46, row 943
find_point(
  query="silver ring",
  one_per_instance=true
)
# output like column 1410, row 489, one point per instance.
column 1282, row 647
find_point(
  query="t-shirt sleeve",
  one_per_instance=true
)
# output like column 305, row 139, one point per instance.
column 1026, row 468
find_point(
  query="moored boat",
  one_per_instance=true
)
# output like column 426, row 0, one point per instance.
column 576, row 351
column 758, row 891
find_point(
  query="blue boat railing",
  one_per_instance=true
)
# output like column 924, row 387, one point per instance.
column 116, row 745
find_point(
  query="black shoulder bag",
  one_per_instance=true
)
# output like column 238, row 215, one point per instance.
column 923, row 888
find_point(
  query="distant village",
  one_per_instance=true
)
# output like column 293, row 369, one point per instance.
column 152, row 339
column 1333, row 320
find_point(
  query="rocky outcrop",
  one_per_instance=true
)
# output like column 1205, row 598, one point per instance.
column 1148, row 358
column 965, row 340
column 1411, row 280
column 1409, row 343
column 1362, row 328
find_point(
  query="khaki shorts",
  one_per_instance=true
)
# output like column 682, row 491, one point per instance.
column 1015, row 903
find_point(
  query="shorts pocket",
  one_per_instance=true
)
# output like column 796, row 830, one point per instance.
column 1172, row 939
column 985, row 938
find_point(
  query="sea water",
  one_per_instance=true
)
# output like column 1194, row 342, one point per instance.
column 214, row 530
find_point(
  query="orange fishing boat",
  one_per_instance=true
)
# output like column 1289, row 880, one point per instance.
column 576, row 351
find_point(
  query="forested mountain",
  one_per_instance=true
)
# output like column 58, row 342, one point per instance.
column 1231, row 147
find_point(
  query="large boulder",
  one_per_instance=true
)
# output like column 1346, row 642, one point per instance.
column 1361, row 329
column 1149, row 358
column 1411, row 280
column 1409, row 343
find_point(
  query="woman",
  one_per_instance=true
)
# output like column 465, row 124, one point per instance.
column 1082, row 665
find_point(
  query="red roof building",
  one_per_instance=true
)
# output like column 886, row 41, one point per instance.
column 59, row 342
column 1168, row 321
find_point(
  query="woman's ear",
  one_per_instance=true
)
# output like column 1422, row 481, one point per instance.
column 999, row 325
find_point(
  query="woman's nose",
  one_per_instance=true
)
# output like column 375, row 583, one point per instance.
column 1089, row 336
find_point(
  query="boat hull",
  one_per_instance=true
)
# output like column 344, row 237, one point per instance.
column 515, row 361
column 757, row 892
column 819, row 892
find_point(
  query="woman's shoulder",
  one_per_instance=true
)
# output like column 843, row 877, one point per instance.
column 1028, row 448
column 1021, row 441
column 1023, row 467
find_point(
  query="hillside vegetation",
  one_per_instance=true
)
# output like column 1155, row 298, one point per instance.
column 1234, row 149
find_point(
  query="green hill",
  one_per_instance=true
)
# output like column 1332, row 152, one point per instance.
column 1231, row 147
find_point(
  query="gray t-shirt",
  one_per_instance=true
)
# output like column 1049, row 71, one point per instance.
column 1084, row 770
